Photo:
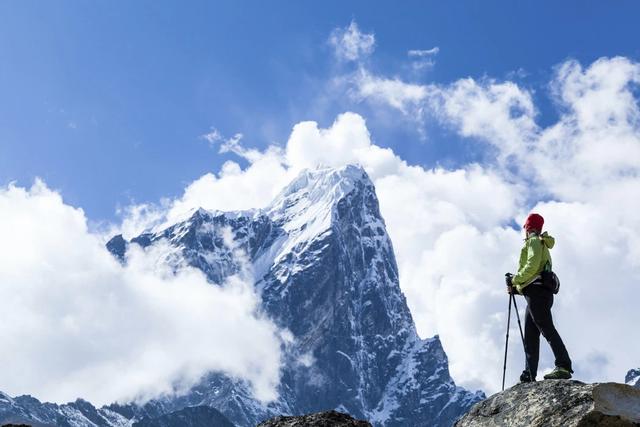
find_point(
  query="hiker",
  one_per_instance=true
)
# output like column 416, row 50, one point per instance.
column 534, row 257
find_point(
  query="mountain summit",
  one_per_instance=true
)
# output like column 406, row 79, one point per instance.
column 324, row 266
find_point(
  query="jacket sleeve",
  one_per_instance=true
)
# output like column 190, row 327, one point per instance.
column 528, row 271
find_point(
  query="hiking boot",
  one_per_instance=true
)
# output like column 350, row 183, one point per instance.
column 526, row 378
column 558, row 374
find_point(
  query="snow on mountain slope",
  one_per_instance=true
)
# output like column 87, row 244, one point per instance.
column 324, row 266
column 29, row 410
column 633, row 378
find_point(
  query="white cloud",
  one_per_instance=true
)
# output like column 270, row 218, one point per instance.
column 597, row 139
column 79, row 324
column 234, row 188
column 213, row 136
column 500, row 113
column 231, row 189
column 423, row 59
column 408, row 98
column 423, row 52
column 227, row 145
column 137, row 218
column 350, row 44
column 342, row 143
column 233, row 145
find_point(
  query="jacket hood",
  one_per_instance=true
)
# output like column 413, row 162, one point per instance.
column 548, row 240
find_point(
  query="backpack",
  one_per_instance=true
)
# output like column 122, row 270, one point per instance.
column 549, row 279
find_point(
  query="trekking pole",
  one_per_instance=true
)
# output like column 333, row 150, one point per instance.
column 506, row 343
column 526, row 359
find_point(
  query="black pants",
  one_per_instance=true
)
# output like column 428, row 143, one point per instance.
column 539, row 321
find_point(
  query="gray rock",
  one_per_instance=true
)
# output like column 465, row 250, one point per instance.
column 319, row 419
column 551, row 403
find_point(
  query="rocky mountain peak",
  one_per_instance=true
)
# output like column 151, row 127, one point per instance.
column 326, row 271
column 321, row 185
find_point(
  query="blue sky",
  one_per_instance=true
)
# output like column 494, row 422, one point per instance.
column 106, row 101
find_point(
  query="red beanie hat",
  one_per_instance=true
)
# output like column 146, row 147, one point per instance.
column 534, row 221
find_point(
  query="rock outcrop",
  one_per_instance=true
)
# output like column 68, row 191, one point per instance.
column 319, row 419
column 551, row 403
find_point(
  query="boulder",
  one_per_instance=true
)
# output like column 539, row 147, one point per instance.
column 551, row 403
column 319, row 419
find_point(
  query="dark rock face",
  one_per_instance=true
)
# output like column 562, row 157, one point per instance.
column 561, row 403
column 117, row 246
column 633, row 378
column 320, row 419
column 198, row 416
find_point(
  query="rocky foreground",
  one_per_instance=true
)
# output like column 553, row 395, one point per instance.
column 551, row 403
column 319, row 419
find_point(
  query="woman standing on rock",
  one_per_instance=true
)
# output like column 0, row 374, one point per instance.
column 534, row 257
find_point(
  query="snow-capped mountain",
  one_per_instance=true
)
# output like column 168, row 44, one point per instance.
column 633, row 378
column 29, row 410
column 325, row 268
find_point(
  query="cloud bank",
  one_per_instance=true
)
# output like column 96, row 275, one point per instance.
column 453, row 230
column 350, row 44
column 76, row 323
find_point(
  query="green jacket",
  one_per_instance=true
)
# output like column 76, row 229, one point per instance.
column 533, row 258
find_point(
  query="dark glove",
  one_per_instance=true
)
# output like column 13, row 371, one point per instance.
column 507, row 278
